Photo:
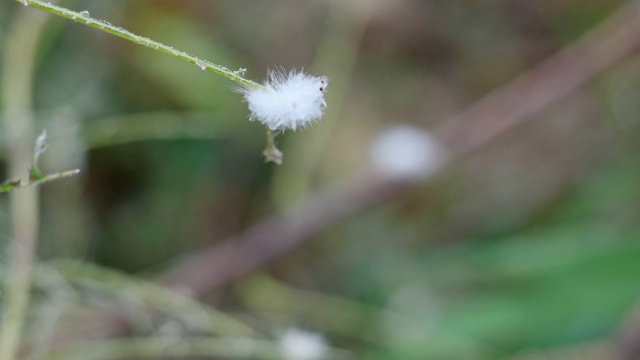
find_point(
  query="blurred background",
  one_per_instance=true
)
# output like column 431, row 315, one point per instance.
column 524, row 246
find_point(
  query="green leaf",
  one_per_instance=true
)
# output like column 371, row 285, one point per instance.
column 9, row 185
column 35, row 174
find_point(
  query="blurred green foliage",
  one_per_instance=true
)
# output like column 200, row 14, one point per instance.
column 530, row 244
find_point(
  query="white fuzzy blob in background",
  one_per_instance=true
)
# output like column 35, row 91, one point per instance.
column 407, row 153
column 298, row 344
column 287, row 101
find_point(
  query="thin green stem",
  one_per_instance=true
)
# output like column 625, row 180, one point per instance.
column 18, row 120
column 85, row 18
column 271, row 152
column 235, row 348
column 243, row 348
column 191, row 312
column 17, row 184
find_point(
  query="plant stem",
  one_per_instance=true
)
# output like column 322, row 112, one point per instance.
column 196, row 315
column 12, row 185
column 237, row 348
column 271, row 152
column 18, row 69
column 84, row 18
column 165, row 347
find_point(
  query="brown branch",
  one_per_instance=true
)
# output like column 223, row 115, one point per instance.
column 546, row 84
column 204, row 271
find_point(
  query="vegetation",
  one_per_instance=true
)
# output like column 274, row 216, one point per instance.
column 516, row 237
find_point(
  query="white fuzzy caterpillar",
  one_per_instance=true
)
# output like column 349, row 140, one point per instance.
column 287, row 101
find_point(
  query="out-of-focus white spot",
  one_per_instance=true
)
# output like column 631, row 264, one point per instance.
column 408, row 153
column 298, row 344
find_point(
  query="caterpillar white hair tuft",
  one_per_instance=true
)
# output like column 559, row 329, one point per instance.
column 287, row 101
